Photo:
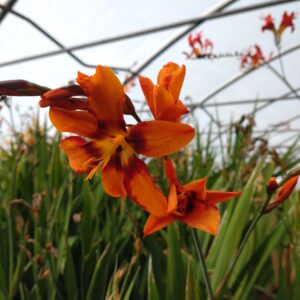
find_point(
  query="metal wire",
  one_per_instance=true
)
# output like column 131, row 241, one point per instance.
column 240, row 76
column 54, row 40
column 195, row 21
column 6, row 8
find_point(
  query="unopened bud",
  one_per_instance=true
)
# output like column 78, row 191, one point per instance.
column 272, row 185
column 21, row 88
column 128, row 108
column 66, row 98
column 283, row 193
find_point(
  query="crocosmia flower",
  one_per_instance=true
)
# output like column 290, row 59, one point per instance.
column 283, row 193
column 191, row 204
column 199, row 47
column 195, row 40
column 252, row 58
column 269, row 23
column 109, row 146
column 163, row 98
column 286, row 22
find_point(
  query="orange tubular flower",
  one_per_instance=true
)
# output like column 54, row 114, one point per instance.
column 111, row 146
column 163, row 98
column 283, row 193
column 191, row 204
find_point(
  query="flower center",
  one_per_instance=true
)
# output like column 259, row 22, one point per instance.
column 185, row 203
column 107, row 148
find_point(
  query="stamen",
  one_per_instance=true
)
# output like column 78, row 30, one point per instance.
column 185, row 203
column 90, row 163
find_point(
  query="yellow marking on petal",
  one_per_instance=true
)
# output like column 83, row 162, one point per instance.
column 109, row 147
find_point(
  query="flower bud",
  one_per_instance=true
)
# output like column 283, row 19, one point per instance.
column 21, row 88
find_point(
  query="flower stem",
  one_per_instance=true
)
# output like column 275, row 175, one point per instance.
column 280, row 61
column 252, row 225
column 202, row 264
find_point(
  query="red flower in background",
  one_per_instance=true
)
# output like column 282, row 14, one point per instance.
column 252, row 58
column 199, row 47
column 287, row 21
column 269, row 23
column 196, row 39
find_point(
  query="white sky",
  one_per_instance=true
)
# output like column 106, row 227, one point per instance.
column 74, row 22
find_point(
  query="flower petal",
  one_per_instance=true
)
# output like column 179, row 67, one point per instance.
column 206, row 218
column 163, row 100
column 172, row 199
column 198, row 186
column 112, row 178
column 164, row 75
column 171, row 173
column 213, row 197
column 176, row 82
column 79, row 153
column 171, row 77
column 154, row 223
column 147, row 88
column 173, row 112
column 79, row 122
column 159, row 138
column 142, row 189
column 106, row 97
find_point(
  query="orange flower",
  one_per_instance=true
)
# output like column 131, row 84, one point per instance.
column 191, row 204
column 111, row 145
column 163, row 98
column 283, row 193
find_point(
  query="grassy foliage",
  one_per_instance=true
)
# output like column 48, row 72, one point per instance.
column 63, row 238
